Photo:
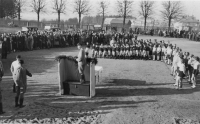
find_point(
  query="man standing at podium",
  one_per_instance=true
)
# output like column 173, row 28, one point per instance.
column 81, row 62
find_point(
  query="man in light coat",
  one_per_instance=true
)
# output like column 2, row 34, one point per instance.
column 13, row 67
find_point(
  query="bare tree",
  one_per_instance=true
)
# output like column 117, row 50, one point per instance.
column 19, row 5
column 124, row 9
column 171, row 10
column 82, row 8
column 38, row 6
column 103, row 10
column 146, row 10
column 59, row 7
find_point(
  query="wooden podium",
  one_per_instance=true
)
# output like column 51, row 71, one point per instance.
column 69, row 78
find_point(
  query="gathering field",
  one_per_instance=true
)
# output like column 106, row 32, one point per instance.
column 129, row 92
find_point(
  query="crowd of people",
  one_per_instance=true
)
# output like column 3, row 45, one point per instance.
column 191, row 35
column 183, row 64
column 103, row 45
column 33, row 40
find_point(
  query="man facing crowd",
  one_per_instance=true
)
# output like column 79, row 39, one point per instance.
column 81, row 63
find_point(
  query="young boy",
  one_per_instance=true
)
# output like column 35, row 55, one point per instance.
column 169, row 55
column 114, row 51
column 101, row 48
column 109, row 51
column 117, row 51
column 158, row 50
column 195, row 72
column 181, row 73
column 122, row 52
column 96, row 52
column 105, row 51
column 87, row 49
column 93, row 50
column 190, row 67
column 127, row 51
column 154, row 52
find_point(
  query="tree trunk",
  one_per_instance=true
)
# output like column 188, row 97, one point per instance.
column 79, row 21
column 19, row 15
column 145, row 24
column 1, row 9
column 169, row 24
column 59, row 19
column 38, row 17
column 124, row 16
column 102, row 20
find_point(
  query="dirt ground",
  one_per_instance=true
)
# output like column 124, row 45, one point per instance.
column 129, row 92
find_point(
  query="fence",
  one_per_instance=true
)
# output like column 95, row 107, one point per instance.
column 21, row 23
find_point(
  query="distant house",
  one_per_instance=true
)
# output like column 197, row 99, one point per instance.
column 187, row 23
column 71, row 25
column 53, row 24
column 116, row 24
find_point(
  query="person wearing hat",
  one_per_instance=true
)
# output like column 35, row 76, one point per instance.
column 81, row 62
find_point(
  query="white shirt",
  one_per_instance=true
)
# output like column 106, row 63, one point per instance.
column 154, row 49
column 169, row 51
column 112, row 42
column 159, row 49
column 196, row 65
column 163, row 49
column 176, row 60
column 14, row 66
column 181, row 67
column 174, row 53
column 191, row 61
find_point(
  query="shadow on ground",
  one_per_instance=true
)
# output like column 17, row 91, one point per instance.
column 125, row 87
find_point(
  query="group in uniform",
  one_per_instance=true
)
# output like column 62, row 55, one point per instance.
column 183, row 65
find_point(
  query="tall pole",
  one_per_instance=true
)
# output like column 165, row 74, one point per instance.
column 125, row 2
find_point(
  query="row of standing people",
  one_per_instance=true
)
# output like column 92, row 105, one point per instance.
column 45, row 40
column 134, row 49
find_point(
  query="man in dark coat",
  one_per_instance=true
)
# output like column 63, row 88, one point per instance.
column 4, row 47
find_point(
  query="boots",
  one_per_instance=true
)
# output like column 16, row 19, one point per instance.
column 14, row 88
column 82, row 80
column 1, row 109
column 21, row 103
column 16, row 102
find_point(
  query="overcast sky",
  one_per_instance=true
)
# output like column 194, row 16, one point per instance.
column 191, row 7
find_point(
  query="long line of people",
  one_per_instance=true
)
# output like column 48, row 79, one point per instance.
column 25, row 41
column 191, row 35
column 183, row 65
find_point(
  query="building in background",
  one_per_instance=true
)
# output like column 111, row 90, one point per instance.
column 187, row 23
column 116, row 24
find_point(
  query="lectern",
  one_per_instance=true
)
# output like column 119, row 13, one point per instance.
column 69, row 77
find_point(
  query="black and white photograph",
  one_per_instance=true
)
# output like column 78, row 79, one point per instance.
column 99, row 62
